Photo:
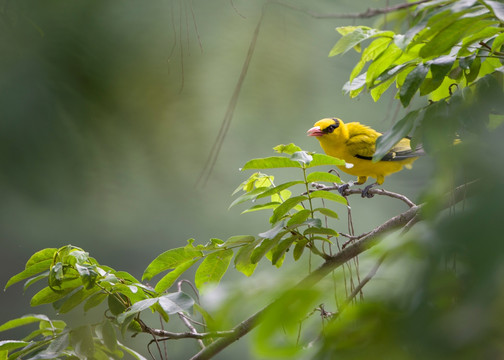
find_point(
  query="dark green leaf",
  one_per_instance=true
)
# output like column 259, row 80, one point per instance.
column 117, row 303
column 213, row 268
column 299, row 248
column 439, row 68
column 400, row 129
column 474, row 70
column 263, row 248
column 272, row 162
column 279, row 250
column 285, row 207
column 412, row 83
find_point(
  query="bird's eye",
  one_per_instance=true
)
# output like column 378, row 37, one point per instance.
column 330, row 128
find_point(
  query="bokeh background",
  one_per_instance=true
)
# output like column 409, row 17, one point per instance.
column 108, row 111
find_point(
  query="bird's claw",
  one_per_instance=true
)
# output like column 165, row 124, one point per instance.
column 343, row 188
column 366, row 193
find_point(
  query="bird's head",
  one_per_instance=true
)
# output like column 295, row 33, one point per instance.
column 324, row 127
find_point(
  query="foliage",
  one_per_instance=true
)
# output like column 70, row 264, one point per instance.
column 74, row 278
column 441, row 293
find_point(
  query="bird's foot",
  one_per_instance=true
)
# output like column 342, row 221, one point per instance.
column 366, row 193
column 343, row 188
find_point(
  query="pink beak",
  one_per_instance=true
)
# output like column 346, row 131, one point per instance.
column 315, row 131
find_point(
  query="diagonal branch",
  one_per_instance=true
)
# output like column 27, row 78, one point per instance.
column 406, row 218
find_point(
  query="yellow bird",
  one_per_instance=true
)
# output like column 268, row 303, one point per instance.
column 356, row 144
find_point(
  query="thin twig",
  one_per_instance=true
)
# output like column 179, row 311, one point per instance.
column 362, row 15
column 373, row 191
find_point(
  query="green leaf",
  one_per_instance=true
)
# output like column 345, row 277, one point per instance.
column 378, row 90
column 412, row 83
column 95, row 300
column 299, row 248
column 497, row 43
column 77, row 298
column 263, row 248
column 279, row 250
column 320, row 230
column 287, row 149
column 271, row 233
column 24, row 320
column 439, row 68
column 108, row 335
column 32, row 269
column 267, row 206
column 400, row 129
column 239, row 240
column 242, row 259
column 327, row 212
column 39, row 256
column 213, row 268
column 251, row 195
column 272, row 162
column 34, row 279
column 170, row 260
column 322, row 159
column 323, row 176
column 449, row 36
column 329, row 196
column 285, row 207
column 167, row 281
column 355, row 37
column 176, row 302
column 81, row 339
column 277, row 189
column 48, row 295
column 136, row 308
column 382, row 63
column 9, row 345
column 299, row 217
column 355, row 86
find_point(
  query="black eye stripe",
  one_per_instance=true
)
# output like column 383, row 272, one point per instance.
column 331, row 127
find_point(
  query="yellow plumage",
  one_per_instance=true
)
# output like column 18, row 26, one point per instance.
column 356, row 144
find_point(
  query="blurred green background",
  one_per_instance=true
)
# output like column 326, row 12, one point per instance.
column 108, row 111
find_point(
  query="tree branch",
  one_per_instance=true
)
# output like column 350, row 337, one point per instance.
column 363, row 15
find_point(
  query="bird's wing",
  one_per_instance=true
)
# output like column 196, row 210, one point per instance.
column 402, row 150
column 361, row 141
